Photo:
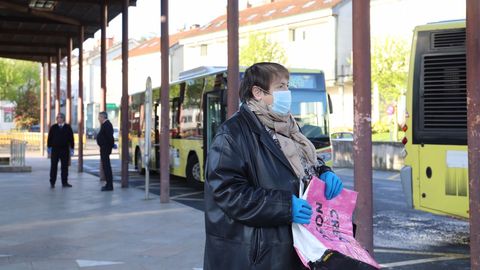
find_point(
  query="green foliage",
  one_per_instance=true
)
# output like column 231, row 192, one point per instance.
column 27, row 111
column 14, row 74
column 390, row 68
column 260, row 49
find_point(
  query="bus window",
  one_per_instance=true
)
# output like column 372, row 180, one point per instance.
column 190, row 127
column 175, row 104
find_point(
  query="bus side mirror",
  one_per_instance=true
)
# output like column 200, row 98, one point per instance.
column 330, row 106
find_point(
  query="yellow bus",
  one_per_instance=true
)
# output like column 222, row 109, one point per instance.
column 435, row 176
column 198, row 107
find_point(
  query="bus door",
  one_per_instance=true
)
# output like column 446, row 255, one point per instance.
column 214, row 115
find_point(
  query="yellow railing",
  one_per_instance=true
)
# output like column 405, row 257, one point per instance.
column 32, row 138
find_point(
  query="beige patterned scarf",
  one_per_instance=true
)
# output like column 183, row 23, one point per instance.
column 295, row 146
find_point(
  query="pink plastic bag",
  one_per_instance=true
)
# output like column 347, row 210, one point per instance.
column 331, row 224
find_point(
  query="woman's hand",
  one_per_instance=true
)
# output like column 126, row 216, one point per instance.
column 333, row 184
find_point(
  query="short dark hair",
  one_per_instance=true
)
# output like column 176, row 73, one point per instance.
column 104, row 114
column 261, row 75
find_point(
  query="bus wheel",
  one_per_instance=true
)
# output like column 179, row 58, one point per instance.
column 193, row 170
column 139, row 163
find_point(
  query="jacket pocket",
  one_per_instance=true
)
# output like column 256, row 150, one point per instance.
column 255, row 246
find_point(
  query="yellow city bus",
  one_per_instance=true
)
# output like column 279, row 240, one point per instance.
column 198, row 107
column 435, row 176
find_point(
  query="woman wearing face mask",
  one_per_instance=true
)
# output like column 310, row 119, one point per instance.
column 253, row 169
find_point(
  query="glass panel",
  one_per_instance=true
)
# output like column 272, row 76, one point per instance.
column 310, row 111
column 191, row 113
column 214, row 115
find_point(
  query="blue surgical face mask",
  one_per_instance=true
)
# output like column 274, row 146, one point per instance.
column 282, row 101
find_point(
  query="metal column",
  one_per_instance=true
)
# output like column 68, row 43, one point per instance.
column 49, row 93
column 233, row 76
column 165, row 89
column 81, row 38
column 42, row 108
column 473, row 127
column 124, row 102
column 103, row 57
column 57, row 83
column 68, row 106
column 362, row 142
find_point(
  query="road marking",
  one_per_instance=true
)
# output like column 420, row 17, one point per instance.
column 197, row 268
column 5, row 255
column 420, row 261
column 186, row 194
column 443, row 257
column 89, row 263
column 190, row 199
column 115, row 216
column 415, row 252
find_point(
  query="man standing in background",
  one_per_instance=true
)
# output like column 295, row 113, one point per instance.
column 106, row 142
column 60, row 147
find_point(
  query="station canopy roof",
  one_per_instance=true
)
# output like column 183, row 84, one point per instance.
column 34, row 29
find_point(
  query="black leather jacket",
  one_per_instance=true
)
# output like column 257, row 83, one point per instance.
column 248, row 197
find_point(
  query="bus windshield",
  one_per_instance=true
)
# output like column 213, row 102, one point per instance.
column 310, row 111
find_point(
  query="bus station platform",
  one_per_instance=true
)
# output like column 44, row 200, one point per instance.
column 84, row 228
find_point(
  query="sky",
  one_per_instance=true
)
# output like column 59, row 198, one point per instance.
column 144, row 18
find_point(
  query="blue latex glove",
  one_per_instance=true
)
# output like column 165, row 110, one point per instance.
column 49, row 150
column 301, row 211
column 333, row 184
column 115, row 146
column 71, row 151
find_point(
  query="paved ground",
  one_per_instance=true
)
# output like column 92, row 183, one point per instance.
column 403, row 238
column 83, row 228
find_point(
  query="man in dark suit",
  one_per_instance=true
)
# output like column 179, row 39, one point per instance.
column 60, row 147
column 106, row 142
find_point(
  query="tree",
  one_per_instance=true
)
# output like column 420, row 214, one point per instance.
column 260, row 49
column 15, row 74
column 390, row 68
column 27, row 111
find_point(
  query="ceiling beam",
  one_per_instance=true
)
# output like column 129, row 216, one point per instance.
column 132, row 2
column 27, row 32
column 11, row 43
column 41, row 20
column 38, row 13
column 26, row 58
column 33, row 54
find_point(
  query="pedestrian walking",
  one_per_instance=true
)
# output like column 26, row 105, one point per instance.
column 60, row 145
column 253, row 170
column 106, row 142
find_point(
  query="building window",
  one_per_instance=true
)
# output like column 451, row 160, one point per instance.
column 291, row 35
column 203, row 50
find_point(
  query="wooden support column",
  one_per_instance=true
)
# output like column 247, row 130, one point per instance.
column 81, row 38
column 42, row 107
column 68, row 107
column 57, row 83
column 233, row 68
column 103, row 56
column 164, row 93
column 362, row 141
column 49, row 93
column 473, row 128
column 124, row 102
